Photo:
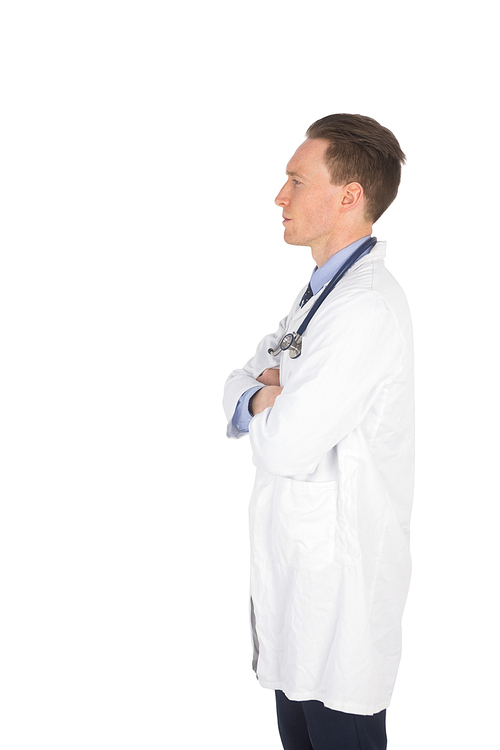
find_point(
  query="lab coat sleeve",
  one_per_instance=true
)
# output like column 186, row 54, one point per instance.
column 351, row 350
column 242, row 380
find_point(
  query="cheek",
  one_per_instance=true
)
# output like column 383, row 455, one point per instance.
column 313, row 213
column 318, row 214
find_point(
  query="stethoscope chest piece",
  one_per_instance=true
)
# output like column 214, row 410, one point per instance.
column 291, row 343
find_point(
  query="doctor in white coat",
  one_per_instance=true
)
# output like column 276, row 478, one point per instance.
column 332, row 434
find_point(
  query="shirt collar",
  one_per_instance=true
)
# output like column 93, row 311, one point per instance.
column 321, row 276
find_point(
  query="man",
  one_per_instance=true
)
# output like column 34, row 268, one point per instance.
column 331, row 426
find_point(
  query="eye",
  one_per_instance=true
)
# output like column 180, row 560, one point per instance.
column 296, row 182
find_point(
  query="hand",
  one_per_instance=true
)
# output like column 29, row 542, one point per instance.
column 271, row 376
column 264, row 398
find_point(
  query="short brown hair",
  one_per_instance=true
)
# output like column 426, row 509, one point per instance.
column 361, row 150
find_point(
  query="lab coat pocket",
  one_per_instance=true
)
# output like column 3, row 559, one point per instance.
column 303, row 525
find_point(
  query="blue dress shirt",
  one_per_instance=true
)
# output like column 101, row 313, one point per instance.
column 320, row 277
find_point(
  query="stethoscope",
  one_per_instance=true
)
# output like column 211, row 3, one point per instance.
column 292, row 342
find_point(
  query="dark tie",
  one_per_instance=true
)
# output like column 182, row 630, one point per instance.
column 307, row 296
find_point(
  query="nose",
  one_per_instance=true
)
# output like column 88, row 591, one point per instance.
column 282, row 198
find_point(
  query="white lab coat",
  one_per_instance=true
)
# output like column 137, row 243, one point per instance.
column 330, row 510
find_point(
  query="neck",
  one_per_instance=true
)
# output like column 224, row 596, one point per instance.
column 322, row 253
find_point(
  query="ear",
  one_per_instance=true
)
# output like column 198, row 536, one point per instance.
column 352, row 196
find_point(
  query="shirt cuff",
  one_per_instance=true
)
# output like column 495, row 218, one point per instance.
column 242, row 417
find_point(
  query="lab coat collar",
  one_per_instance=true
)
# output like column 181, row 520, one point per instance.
column 377, row 253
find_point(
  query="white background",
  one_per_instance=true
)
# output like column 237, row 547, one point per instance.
column 142, row 145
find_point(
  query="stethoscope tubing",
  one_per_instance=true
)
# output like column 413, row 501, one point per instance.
column 367, row 245
column 294, row 340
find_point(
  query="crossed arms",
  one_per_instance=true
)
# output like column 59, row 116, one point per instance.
column 265, row 397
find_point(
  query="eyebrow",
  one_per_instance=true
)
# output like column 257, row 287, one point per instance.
column 294, row 174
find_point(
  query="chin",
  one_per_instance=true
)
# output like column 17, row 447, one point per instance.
column 290, row 239
column 296, row 242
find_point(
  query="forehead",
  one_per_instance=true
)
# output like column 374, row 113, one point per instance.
column 309, row 159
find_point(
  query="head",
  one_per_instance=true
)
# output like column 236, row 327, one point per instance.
column 362, row 151
column 316, row 212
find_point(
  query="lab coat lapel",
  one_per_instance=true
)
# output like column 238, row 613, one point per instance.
column 298, row 313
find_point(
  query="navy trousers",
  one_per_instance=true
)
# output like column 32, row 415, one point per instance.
column 308, row 725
